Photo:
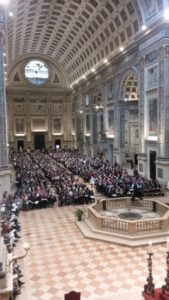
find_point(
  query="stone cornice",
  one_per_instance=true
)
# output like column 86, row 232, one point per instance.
column 12, row 91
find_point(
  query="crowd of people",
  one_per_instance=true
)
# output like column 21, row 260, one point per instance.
column 33, row 187
column 112, row 180
column 38, row 170
column 10, row 228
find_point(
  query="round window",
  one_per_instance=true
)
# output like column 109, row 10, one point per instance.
column 36, row 72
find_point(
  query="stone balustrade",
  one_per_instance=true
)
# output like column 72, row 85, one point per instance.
column 130, row 227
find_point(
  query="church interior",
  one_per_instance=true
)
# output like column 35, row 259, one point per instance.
column 84, row 149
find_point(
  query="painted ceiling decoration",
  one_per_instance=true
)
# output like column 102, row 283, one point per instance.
column 77, row 34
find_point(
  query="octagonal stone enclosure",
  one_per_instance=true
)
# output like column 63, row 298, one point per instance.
column 127, row 222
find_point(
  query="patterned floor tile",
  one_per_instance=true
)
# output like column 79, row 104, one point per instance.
column 61, row 259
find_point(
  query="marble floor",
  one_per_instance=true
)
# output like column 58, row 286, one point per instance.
column 61, row 260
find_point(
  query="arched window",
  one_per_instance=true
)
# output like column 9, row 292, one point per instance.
column 36, row 72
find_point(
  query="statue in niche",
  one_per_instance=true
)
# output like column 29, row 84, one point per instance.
column 152, row 116
column 38, row 108
column 87, row 123
column 73, row 123
column 101, row 123
column 19, row 108
column 110, row 90
column 57, row 125
column 111, row 121
column 19, row 125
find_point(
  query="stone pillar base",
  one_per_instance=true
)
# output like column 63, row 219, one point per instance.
column 142, row 164
column 162, row 169
column 118, row 156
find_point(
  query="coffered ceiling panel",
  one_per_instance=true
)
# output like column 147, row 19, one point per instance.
column 78, row 34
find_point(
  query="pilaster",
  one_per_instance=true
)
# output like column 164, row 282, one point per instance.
column 164, row 104
column 141, row 104
column 3, row 111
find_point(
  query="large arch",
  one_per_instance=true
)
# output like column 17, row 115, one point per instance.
column 77, row 34
column 129, row 116
column 56, row 68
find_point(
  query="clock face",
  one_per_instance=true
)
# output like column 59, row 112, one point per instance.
column 110, row 90
column 36, row 72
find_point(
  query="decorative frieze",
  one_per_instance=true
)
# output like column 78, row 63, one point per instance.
column 19, row 108
column 38, row 108
column 57, row 108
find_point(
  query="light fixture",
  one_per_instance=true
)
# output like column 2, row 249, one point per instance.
column 4, row 54
column 84, row 76
column 81, row 108
column 121, row 49
column 93, row 70
column 4, row 2
column 110, row 136
column 26, row 248
column 105, row 60
column 144, row 27
column 70, row 86
column 58, row 133
column 166, row 14
column 153, row 138
column 76, row 81
column 99, row 106
column 11, row 14
column 22, row 134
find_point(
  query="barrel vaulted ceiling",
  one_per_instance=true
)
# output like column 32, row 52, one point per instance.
column 77, row 34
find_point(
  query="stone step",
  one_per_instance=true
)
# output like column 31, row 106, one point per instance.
column 89, row 231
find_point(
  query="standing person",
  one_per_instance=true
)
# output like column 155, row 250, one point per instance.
column 92, row 182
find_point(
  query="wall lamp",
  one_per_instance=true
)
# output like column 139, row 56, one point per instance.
column 99, row 107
